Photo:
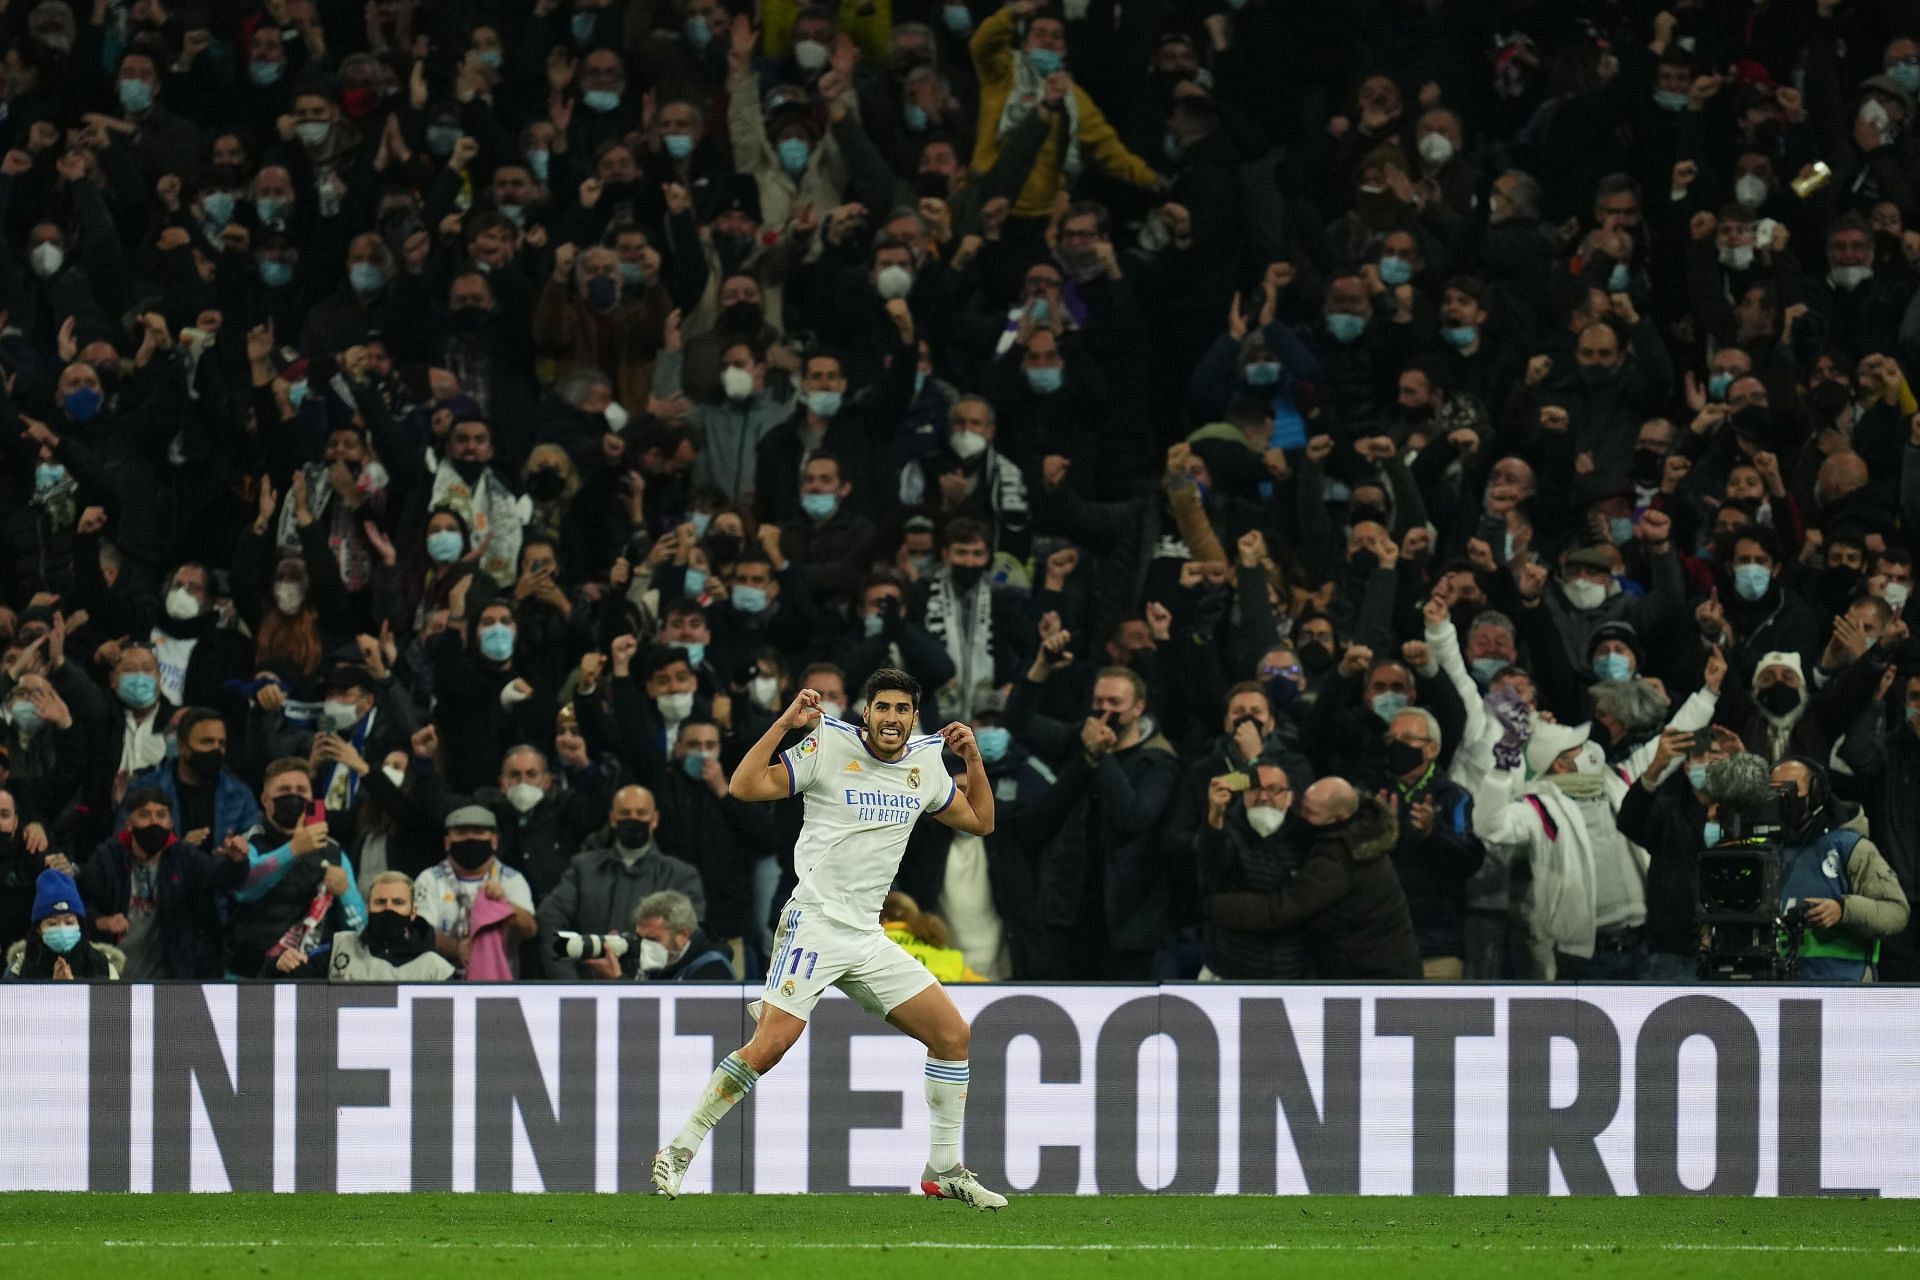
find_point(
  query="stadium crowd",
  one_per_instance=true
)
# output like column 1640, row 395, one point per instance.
column 1354, row 463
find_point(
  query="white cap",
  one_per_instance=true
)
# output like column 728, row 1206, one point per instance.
column 1550, row 741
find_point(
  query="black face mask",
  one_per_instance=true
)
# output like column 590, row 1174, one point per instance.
column 631, row 833
column 471, row 853
column 965, row 575
column 470, row 471
column 468, row 319
column 722, row 548
column 151, row 840
column 545, row 485
column 1403, row 758
column 742, row 317
column 1646, row 466
column 1835, row 587
column 1356, row 515
column 1363, row 563
column 1315, row 658
column 1827, row 397
column 1779, row 699
column 384, row 928
column 207, row 764
column 287, row 810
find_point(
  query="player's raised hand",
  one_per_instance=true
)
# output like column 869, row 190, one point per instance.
column 959, row 740
column 803, row 712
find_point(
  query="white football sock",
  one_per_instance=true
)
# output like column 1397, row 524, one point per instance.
column 947, row 1111
column 731, row 1082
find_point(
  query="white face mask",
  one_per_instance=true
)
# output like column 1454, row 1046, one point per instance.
column 182, row 605
column 1583, row 594
column 1265, row 819
column 46, row 259
column 894, row 281
column 1737, row 257
column 763, row 690
column 674, row 707
column 736, row 382
column 616, row 416
column 1750, row 189
column 967, row 445
column 1849, row 277
column 337, row 717
column 835, row 710
column 394, row 775
column 1895, row 594
column 523, row 796
column 809, row 55
column 1436, row 149
column 289, row 596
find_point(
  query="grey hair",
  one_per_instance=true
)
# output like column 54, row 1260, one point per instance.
column 1493, row 618
column 669, row 905
column 1525, row 196
column 392, row 877
column 1427, row 719
column 993, row 419
column 1634, row 703
column 575, row 385
column 517, row 748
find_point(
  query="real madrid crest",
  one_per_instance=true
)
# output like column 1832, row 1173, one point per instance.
column 786, row 988
column 913, row 776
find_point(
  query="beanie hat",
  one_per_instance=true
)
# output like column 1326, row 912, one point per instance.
column 1791, row 661
column 55, row 894
column 1550, row 741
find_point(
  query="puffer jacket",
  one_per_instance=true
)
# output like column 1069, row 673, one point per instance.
column 1347, row 898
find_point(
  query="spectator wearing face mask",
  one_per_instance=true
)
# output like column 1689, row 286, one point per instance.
column 538, row 823
column 1779, row 715
column 828, row 540
column 448, row 897
column 1586, row 597
column 618, row 867
column 197, row 655
column 668, row 918
column 1836, row 875
column 208, row 802
column 54, row 950
column 1244, row 845
column 1753, row 612
column 882, row 636
column 393, row 945
column 705, row 827
column 1437, row 852
column 1885, row 760
column 1665, row 813
column 852, row 427
column 485, row 701
column 299, row 887
column 154, row 897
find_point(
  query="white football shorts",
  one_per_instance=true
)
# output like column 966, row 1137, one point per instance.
column 812, row 953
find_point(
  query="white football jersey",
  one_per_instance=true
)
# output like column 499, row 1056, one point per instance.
column 860, row 810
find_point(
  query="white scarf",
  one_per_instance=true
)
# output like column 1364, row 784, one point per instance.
column 487, row 507
column 1029, row 86
column 967, row 631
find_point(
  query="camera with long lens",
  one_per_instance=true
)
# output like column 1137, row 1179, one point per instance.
column 567, row 945
column 1745, row 934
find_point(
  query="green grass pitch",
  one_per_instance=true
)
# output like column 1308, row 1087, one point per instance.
column 426, row 1237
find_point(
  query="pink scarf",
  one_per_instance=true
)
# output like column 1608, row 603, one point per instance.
column 487, row 957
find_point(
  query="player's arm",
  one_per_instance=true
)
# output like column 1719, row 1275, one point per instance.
column 970, row 810
column 762, row 775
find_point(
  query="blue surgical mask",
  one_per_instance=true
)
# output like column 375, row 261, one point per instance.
column 1613, row 666
column 1712, row 833
column 48, row 475
column 1262, row 373
column 1619, row 278
column 1906, row 73
column 218, row 207
column 1041, row 310
column 137, row 690
column 872, row 625
column 1388, row 705
column 1485, row 669
column 1170, row 144
column 993, row 742
column 264, row 73
column 1697, row 776
column 818, row 505
column 539, row 162
column 693, row 583
column 633, row 273
column 581, row 24
column 26, row 717
column 62, row 938
column 919, row 382
column 271, row 208
column 600, row 101
column 1345, row 326
column 491, row 59
column 444, row 546
column 698, row 33
column 1460, row 336
column 1751, row 581
column 1619, row 530
column 694, row 763
column 750, row 599
column 1395, row 270
column 297, row 393
column 366, row 277
column 701, row 519
column 793, row 154
column 441, row 139
column 696, row 651
column 1046, row 379
column 1044, row 61
column 496, row 642
column 958, row 17
column 1717, row 387
column 916, row 117
column 515, row 213
column 83, row 404
column 824, row 403
column 136, row 95
column 678, row 145
column 1670, row 99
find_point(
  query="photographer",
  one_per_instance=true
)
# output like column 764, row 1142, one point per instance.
column 618, row 869
column 1833, row 871
column 667, row 918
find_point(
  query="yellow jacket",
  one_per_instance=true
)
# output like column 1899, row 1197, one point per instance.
column 872, row 30
column 944, row 963
column 993, row 55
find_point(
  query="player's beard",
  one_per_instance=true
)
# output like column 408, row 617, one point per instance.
column 878, row 745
